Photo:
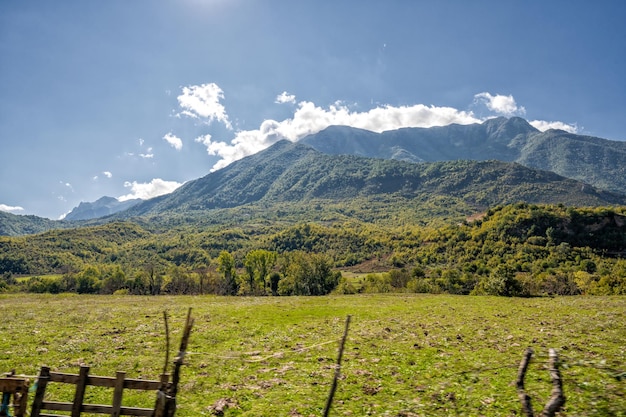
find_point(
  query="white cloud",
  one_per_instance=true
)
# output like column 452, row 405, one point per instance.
column 147, row 155
column 504, row 105
column 174, row 141
column 4, row 207
column 107, row 174
column 285, row 97
column 204, row 139
column 141, row 142
column 147, row 190
column 544, row 125
column 203, row 102
column 309, row 119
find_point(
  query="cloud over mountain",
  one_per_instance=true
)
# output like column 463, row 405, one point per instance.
column 204, row 102
column 544, row 125
column 147, row 190
column 4, row 207
column 500, row 104
column 310, row 118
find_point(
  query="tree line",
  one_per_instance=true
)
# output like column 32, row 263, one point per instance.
column 513, row 250
column 262, row 272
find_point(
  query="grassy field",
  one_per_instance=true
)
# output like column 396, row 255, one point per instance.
column 406, row 355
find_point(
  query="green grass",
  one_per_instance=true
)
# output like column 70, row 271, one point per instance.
column 406, row 355
column 55, row 277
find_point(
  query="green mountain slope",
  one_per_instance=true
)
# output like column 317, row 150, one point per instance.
column 15, row 225
column 596, row 161
column 299, row 182
column 296, row 173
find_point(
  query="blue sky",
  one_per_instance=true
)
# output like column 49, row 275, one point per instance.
column 133, row 98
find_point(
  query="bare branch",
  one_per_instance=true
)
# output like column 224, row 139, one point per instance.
column 524, row 398
column 557, row 399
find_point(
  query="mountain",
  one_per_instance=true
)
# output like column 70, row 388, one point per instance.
column 598, row 162
column 102, row 207
column 16, row 225
column 297, row 181
column 294, row 172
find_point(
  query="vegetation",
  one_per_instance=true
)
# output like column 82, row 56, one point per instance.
column 406, row 354
column 514, row 250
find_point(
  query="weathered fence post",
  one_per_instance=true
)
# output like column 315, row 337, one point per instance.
column 557, row 399
column 42, row 381
column 333, row 387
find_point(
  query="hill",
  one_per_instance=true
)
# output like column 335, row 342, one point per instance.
column 295, row 181
column 102, row 207
column 16, row 225
column 295, row 173
column 596, row 161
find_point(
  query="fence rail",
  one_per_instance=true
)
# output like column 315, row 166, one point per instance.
column 119, row 383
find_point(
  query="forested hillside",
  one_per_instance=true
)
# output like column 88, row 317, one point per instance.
column 14, row 225
column 520, row 249
column 292, row 173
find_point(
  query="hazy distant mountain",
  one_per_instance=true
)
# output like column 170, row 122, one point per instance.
column 104, row 206
column 291, row 172
column 596, row 161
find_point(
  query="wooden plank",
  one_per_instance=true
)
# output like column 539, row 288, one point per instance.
column 80, row 391
column 44, row 376
column 124, row 411
column 64, row 378
column 12, row 384
column 117, row 394
column 136, row 411
column 96, row 409
column 57, row 406
column 106, row 381
column 141, row 384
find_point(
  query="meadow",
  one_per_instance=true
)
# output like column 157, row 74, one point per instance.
column 405, row 355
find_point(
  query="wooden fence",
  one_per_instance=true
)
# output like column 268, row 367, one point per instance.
column 82, row 381
column 15, row 389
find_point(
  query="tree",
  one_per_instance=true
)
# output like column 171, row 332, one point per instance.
column 88, row 281
column 259, row 263
column 178, row 281
column 114, row 281
column 501, row 281
column 307, row 274
column 226, row 267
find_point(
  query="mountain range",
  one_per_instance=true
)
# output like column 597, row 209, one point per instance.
column 595, row 161
column 297, row 173
column 470, row 166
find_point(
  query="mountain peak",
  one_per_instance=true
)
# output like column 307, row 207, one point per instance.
column 103, row 206
column 501, row 127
